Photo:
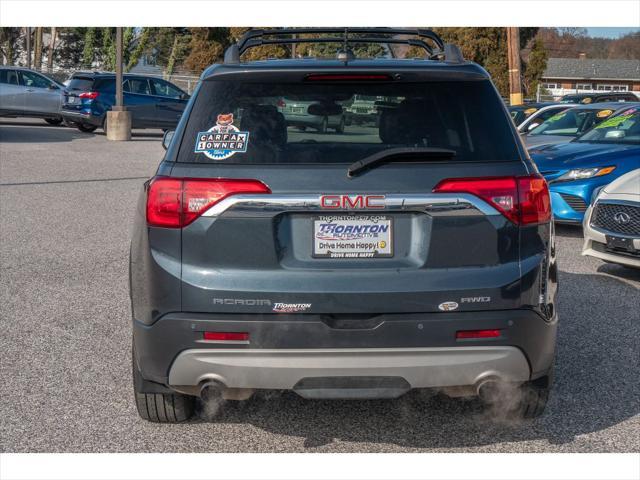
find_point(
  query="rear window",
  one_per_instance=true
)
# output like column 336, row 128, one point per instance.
column 80, row 83
column 105, row 85
column 253, row 123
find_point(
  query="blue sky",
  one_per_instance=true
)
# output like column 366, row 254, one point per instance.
column 610, row 32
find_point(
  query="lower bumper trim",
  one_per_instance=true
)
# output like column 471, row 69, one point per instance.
column 286, row 368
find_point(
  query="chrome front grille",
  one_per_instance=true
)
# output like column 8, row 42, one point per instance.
column 617, row 218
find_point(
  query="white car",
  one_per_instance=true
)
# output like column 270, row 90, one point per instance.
column 539, row 116
column 612, row 222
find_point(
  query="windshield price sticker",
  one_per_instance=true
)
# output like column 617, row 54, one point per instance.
column 353, row 236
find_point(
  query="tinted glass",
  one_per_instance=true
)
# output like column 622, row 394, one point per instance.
column 106, row 85
column 34, row 80
column 80, row 83
column 10, row 77
column 621, row 128
column 165, row 89
column 136, row 85
column 316, row 122
column 520, row 113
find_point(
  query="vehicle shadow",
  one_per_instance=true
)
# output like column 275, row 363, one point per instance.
column 596, row 387
column 569, row 231
column 15, row 132
column 136, row 135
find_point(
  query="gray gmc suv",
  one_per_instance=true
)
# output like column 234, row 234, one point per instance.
column 416, row 252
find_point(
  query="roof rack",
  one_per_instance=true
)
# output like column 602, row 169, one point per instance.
column 435, row 49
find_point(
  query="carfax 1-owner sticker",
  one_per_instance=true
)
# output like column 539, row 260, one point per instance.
column 223, row 140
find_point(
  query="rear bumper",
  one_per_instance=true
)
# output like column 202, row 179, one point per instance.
column 303, row 120
column 81, row 117
column 284, row 349
column 289, row 369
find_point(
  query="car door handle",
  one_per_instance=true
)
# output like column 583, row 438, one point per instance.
column 30, row 90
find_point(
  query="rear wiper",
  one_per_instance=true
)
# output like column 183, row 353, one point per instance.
column 399, row 154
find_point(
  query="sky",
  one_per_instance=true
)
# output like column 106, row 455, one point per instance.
column 610, row 32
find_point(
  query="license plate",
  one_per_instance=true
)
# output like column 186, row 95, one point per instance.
column 71, row 99
column 353, row 236
column 620, row 243
column 297, row 109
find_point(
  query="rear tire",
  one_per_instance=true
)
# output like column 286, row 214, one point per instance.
column 534, row 399
column 340, row 128
column 53, row 121
column 162, row 407
column 322, row 128
column 83, row 127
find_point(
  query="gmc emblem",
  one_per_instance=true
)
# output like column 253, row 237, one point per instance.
column 352, row 202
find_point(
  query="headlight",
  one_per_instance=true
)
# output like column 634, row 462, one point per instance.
column 582, row 173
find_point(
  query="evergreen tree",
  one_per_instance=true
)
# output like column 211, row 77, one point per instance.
column 535, row 66
column 88, row 51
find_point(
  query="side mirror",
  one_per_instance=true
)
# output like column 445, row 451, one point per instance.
column 53, row 86
column 166, row 139
column 184, row 96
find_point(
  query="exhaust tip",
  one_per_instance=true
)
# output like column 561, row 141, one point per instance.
column 488, row 390
column 211, row 390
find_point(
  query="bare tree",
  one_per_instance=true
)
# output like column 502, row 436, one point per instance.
column 37, row 61
column 52, row 46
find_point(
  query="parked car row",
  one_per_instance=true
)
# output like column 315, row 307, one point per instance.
column 589, row 153
column 86, row 97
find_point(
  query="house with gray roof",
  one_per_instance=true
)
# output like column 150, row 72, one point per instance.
column 573, row 75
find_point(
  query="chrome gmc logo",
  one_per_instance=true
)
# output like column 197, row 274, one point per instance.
column 352, row 202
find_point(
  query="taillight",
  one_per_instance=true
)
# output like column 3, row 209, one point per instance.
column 535, row 202
column 348, row 77
column 466, row 334
column 523, row 200
column 226, row 336
column 281, row 103
column 176, row 202
column 89, row 95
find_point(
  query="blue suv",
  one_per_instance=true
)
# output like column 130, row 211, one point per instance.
column 153, row 102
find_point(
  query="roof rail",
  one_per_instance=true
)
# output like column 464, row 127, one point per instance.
column 428, row 40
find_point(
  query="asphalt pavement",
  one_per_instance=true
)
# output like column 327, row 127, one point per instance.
column 66, row 206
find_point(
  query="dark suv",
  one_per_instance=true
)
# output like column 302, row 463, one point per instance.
column 599, row 97
column 415, row 253
column 153, row 102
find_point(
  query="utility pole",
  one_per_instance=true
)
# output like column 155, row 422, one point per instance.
column 119, row 102
column 513, row 51
column 293, row 47
column 28, row 29
column 118, row 124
